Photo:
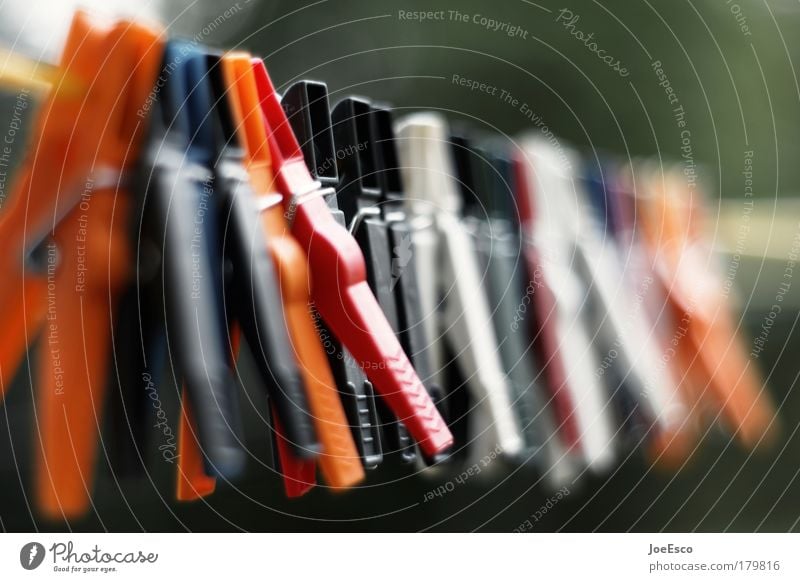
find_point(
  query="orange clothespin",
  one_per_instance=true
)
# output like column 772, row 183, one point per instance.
column 339, row 460
column 72, row 197
column 705, row 343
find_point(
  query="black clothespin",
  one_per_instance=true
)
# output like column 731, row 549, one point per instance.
column 253, row 298
column 306, row 106
column 359, row 194
column 414, row 335
column 487, row 188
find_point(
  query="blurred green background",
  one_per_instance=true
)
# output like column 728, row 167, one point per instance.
column 731, row 67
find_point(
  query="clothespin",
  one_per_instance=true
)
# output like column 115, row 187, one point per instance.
column 235, row 182
column 487, row 189
column 643, row 298
column 542, row 324
column 414, row 333
column 180, row 218
column 359, row 196
column 305, row 104
column 717, row 369
column 550, row 192
column 339, row 459
column 429, row 174
column 629, row 358
column 69, row 130
column 349, row 308
column 78, row 214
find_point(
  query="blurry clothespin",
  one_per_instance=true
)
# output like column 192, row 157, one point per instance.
column 181, row 294
column 77, row 212
column 551, row 230
column 487, row 188
column 710, row 349
column 456, row 277
column 669, row 434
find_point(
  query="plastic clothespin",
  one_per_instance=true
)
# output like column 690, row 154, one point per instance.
column 542, row 327
column 636, row 304
column 305, row 104
column 62, row 167
column 716, row 368
column 179, row 219
column 84, row 205
column 673, row 449
column 359, row 196
column 628, row 356
column 339, row 460
column 242, row 211
column 414, row 333
column 429, row 173
column 339, row 287
column 252, row 300
column 546, row 187
column 487, row 187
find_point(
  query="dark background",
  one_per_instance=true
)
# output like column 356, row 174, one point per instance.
column 739, row 92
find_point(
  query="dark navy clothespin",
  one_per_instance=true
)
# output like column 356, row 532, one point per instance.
column 179, row 281
column 306, row 106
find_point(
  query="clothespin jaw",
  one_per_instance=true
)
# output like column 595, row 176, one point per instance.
column 305, row 104
column 429, row 172
column 601, row 193
column 358, row 188
column 426, row 159
column 393, row 193
column 472, row 172
column 349, row 309
column 308, row 111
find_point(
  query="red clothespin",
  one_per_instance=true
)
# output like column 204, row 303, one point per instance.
column 339, row 461
column 546, row 337
column 339, row 286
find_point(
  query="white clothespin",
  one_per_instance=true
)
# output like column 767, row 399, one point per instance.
column 449, row 270
column 556, row 233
